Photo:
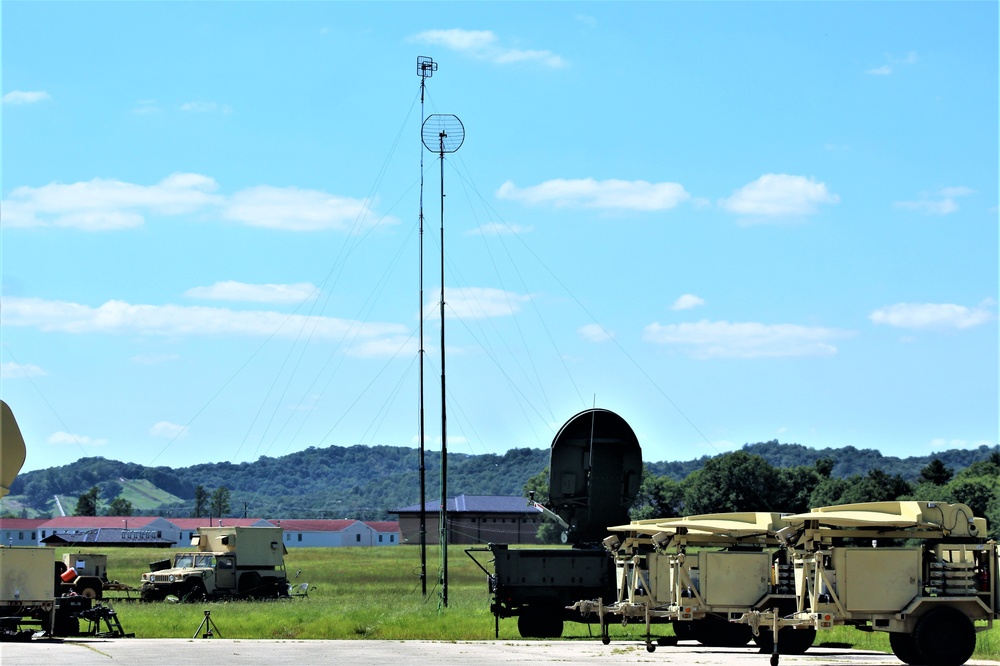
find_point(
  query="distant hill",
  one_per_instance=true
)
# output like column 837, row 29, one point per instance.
column 366, row 482
column 848, row 460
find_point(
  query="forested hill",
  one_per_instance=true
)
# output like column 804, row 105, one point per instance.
column 366, row 481
column 847, row 460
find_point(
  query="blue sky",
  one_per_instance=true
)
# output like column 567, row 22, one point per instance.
column 727, row 222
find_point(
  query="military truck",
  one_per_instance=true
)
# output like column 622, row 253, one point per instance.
column 595, row 469
column 230, row 562
column 924, row 572
column 736, row 564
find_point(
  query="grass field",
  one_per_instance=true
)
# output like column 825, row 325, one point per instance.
column 359, row 593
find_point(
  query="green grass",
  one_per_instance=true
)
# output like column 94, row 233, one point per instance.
column 144, row 496
column 359, row 593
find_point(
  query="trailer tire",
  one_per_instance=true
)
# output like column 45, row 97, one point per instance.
column 790, row 641
column 904, row 646
column 89, row 586
column 945, row 636
column 684, row 630
column 713, row 631
column 540, row 622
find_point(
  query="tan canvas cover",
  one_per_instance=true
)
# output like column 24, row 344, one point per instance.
column 941, row 515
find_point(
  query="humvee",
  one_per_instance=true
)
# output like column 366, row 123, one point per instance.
column 242, row 562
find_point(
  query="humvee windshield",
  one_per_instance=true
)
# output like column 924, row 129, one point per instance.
column 187, row 560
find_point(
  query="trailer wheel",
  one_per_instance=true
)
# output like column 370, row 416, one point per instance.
column 715, row 632
column 904, row 646
column 790, row 641
column 684, row 630
column 89, row 586
column 540, row 622
column 945, row 636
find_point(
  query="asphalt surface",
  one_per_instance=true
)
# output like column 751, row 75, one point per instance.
column 201, row 651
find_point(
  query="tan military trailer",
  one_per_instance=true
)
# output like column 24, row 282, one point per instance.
column 924, row 572
column 241, row 562
column 699, row 573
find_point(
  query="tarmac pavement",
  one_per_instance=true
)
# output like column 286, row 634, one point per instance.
column 201, row 651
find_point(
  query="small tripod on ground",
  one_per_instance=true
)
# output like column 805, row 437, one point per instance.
column 210, row 628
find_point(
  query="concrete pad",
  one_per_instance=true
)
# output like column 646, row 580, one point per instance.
column 201, row 651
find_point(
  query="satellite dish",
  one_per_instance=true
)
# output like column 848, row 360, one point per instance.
column 11, row 449
column 442, row 133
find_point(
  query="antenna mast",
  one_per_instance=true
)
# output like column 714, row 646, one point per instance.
column 443, row 133
column 425, row 69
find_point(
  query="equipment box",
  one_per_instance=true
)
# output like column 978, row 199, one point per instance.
column 27, row 574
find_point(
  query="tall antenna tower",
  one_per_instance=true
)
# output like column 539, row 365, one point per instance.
column 443, row 133
column 425, row 70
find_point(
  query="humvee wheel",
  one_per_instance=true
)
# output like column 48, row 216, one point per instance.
column 905, row 648
column 194, row 590
column 945, row 636
column 249, row 582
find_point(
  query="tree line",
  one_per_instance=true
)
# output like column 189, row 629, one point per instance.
column 366, row 482
column 745, row 481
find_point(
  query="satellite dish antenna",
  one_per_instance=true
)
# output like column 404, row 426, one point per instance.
column 443, row 133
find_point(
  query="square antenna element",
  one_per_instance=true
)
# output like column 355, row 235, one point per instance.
column 426, row 67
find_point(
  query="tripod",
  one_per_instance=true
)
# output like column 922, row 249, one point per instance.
column 209, row 626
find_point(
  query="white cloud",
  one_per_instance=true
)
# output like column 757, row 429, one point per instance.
column 484, row 45
column 480, row 302
column 105, row 204
column 166, row 429
column 595, row 333
column 931, row 316
column 145, row 106
column 775, row 195
column 590, row 193
column 941, row 202
column 498, row 229
column 295, row 209
column 723, row 339
column 12, row 370
column 887, row 69
column 686, row 302
column 101, row 205
column 62, row 437
column 123, row 318
column 16, row 97
column 206, row 107
column 257, row 293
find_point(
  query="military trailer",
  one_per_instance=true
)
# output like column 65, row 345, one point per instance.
column 234, row 562
column 924, row 572
column 86, row 574
column 699, row 573
column 595, row 469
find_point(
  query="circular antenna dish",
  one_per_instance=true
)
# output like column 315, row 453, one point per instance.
column 442, row 133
